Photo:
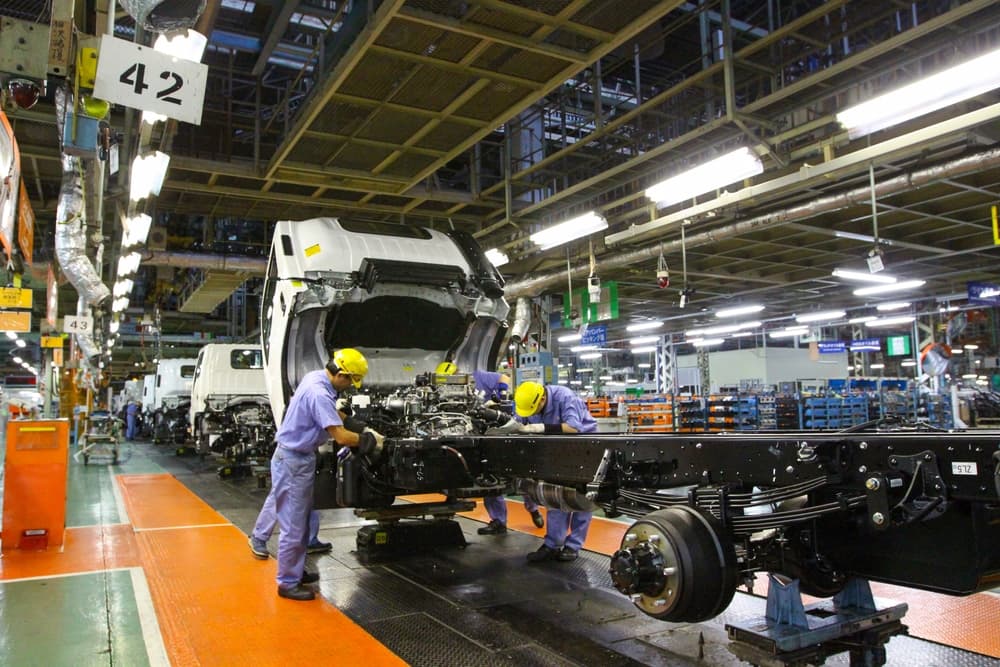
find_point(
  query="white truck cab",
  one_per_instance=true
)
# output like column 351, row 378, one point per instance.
column 230, row 413
column 405, row 297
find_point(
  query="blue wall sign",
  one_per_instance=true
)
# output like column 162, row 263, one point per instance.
column 866, row 345
column 832, row 346
column 595, row 335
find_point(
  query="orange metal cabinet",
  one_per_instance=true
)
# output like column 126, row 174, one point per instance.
column 34, row 489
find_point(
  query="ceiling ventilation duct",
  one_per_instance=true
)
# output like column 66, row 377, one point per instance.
column 71, row 232
column 522, row 320
column 164, row 15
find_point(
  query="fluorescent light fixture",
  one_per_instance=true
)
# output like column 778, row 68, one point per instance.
column 135, row 230
column 741, row 310
column 588, row 356
column 128, row 263
column 970, row 346
column 728, row 328
column 886, row 289
column 863, row 276
column 12, row 335
column 789, row 332
column 893, row 305
column 122, row 287
column 569, row 338
column 585, row 370
column 862, row 319
column 644, row 365
column 741, row 334
column 496, row 257
column 583, row 348
column 18, row 360
column 643, row 340
column 20, row 342
column 572, row 229
column 969, row 376
column 605, row 377
column 890, row 321
column 908, row 362
column 822, row 316
column 712, row 175
column 931, row 93
column 643, row 350
column 705, row 342
column 185, row 44
column 644, row 326
column 576, row 383
column 876, row 367
column 148, row 172
column 631, row 381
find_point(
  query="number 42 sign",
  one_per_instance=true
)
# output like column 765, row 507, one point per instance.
column 142, row 78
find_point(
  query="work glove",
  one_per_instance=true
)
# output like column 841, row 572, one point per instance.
column 370, row 444
column 511, row 426
column 344, row 405
column 532, row 428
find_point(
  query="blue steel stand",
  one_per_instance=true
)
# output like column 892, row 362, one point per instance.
column 792, row 634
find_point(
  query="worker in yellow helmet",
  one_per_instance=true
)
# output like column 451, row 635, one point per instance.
column 555, row 409
column 493, row 386
column 311, row 419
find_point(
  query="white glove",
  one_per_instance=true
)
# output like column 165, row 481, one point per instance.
column 344, row 405
column 532, row 428
column 511, row 426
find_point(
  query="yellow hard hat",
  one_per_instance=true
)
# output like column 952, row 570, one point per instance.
column 353, row 363
column 528, row 398
column 446, row 368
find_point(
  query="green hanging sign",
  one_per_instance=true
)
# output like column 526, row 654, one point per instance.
column 579, row 310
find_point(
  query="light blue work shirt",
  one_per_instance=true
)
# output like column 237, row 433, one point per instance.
column 312, row 409
column 489, row 385
column 562, row 406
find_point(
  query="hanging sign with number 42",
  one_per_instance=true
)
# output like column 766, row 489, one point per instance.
column 139, row 77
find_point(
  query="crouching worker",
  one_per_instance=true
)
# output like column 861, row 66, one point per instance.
column 555, row 409
column 310, row 420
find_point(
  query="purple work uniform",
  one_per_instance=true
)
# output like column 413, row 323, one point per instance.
column 491, row 387
column 562, row 406
column 293, row 468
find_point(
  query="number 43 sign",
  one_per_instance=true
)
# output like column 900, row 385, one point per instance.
column 139, row 77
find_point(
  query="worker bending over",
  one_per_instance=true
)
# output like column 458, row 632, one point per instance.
column 554, row 409
column 310, row 420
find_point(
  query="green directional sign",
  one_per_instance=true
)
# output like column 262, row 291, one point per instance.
column 579, row 310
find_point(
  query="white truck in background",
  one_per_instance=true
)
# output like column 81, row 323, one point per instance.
column 171, row 399
column 230, row 414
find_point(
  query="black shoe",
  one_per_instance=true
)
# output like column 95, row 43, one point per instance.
column 536, row 518
column 494, row 527
column 544, row 553
column 309, row 578
column 566, row 554
column 296, row 593
column 318, row 547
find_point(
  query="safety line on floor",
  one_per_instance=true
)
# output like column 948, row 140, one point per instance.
column 63, row 575
column 156, row 650
column 197, row 525
column 123, row 516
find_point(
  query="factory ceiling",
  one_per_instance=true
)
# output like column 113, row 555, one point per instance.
column 504, row 117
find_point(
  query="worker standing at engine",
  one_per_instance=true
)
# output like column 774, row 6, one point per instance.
column 494, row 386
column 310, row 420
column 554, row 409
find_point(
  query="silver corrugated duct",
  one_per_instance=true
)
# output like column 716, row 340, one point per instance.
column 533, row 285
column 522, row 320
column 164, row 15
column 71, row 228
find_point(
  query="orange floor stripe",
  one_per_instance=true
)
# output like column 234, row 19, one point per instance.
column 217, row 605
column 85, row 549
column 160, row 501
